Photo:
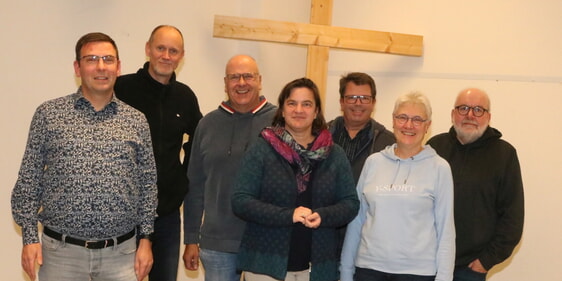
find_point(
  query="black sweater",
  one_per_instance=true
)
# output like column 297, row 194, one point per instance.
column 172, row 110
column 489, row 206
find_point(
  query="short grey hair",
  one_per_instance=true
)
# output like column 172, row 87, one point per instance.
column 414, row 97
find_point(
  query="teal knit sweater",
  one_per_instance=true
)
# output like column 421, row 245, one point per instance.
column 265, row 193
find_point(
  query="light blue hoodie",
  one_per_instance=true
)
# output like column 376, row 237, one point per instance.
column 405, row 223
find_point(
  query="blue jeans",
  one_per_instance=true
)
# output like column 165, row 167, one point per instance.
column 67, row 262
column 364, row 274
column 464, row 273
column 219, row 266
column 291, row 276
column 166, row 247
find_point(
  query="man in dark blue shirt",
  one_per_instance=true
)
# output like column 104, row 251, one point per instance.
column 88, row 175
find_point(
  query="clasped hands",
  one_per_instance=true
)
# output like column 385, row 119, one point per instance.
column 305, row 216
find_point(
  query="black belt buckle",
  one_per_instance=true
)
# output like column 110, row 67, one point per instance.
column 93, row 246
column 89, row 244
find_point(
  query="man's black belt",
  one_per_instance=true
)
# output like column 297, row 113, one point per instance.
column 98, row 244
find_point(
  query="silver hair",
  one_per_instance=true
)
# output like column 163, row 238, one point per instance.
column 414, row 97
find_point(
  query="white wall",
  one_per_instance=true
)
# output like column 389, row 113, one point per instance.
column 509, row 48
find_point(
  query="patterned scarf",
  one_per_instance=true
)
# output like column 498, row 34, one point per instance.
column 298, row 156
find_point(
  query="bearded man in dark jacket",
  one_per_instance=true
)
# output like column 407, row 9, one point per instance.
column 489, row 207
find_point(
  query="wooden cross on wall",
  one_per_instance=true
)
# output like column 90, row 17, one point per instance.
column 319, row 36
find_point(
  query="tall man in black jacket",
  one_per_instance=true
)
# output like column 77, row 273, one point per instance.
column 173, row 112
column 489, row 207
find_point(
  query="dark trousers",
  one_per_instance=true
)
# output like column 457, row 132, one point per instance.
column 464, row 273
column 166, row 247
column 364, row 274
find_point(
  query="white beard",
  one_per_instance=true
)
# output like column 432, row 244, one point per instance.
column 466, row 137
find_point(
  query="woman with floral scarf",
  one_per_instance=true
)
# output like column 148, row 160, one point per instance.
column 295, row 187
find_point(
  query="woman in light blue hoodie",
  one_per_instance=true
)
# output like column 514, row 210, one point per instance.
column 405, row 226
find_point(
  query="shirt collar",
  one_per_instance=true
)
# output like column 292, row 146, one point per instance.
column 225, row 105
column 80, row 102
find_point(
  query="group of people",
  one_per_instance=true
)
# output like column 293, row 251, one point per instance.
column 268, row 192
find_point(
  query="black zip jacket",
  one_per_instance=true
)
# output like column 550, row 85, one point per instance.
column 172, row 110
column 489, row 207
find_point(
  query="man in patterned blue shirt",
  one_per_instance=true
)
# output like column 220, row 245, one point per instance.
column 88, row 175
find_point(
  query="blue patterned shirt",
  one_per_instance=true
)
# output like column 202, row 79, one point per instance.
column 85, row 173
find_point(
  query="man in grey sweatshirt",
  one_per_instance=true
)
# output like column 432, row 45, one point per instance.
column 220, row 141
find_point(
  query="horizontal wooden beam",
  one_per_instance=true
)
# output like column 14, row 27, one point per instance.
column 319, row 35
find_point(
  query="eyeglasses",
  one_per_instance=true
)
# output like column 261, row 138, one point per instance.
column 93, row 59
column 477, row 111
column 362, row 99
column 235, row 77
column 403, row 119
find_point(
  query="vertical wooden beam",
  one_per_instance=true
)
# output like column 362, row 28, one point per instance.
column 317, row 56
